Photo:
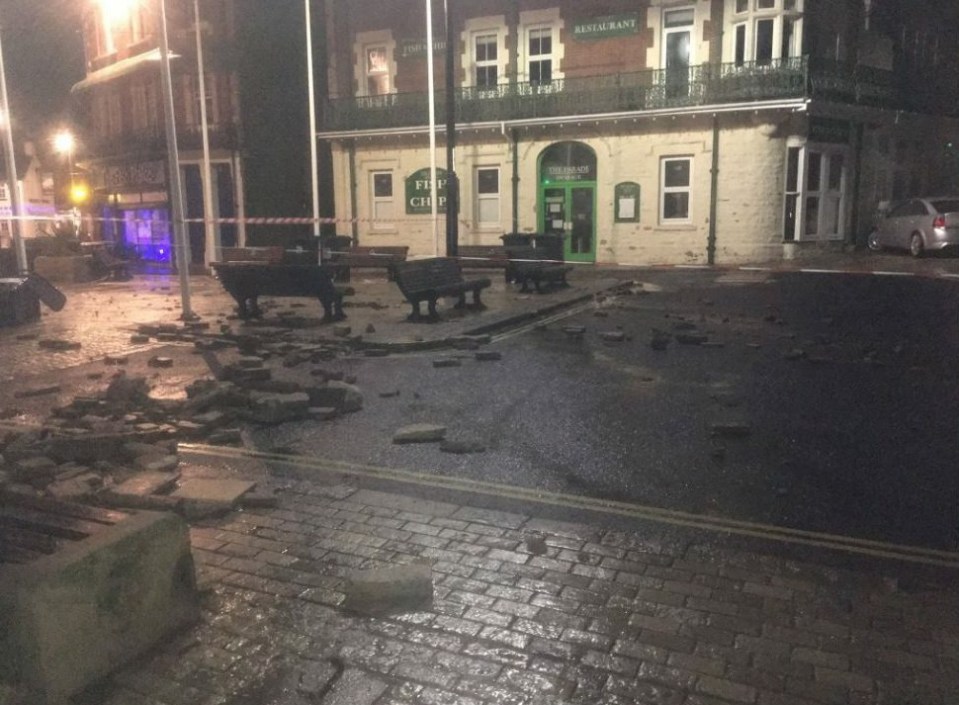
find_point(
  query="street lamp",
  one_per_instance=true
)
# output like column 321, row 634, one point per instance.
column 65, row 143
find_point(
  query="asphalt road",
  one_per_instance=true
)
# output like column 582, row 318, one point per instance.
column 845, row 391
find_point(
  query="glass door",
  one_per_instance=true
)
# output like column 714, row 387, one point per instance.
column 568, row 211
column 677, row 50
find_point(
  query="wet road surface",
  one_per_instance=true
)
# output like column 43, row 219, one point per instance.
column 839, row 395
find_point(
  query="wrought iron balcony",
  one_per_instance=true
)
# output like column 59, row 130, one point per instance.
column 706, row 84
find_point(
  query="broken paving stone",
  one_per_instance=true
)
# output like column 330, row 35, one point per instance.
column 78, row 487
column 202, row 497
column 393, row 589
column 342, row 331
column 260, row 498
column 462, row 447
column 370, row 328
column 420, row 433
column 161, row 362
column 157, row 463
column 322, row 413
column 147, row 483
column 226, row 435
column 536, row 545
column 446, row 362
column 356, row 687
column 376, row 352
column 37, row 391
column 59, row 345
column 613, row 336
column 271, row 408
column 139, row 339
column 345, row 398
column 795, row 354
column 731, row 429
column 249, row 362
column 691, row 338
column 575, row 332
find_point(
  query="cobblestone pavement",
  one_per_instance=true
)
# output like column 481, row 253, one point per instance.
column 589, row 616
column 526, row 610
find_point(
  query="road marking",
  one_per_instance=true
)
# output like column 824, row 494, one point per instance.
column 894, row 274
column 847, row 544
column 822, row 271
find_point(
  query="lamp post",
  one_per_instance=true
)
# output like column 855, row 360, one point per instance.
column 65, row 144
column 11, row 164
column 314, row 160
column 176, row 186
column 211, row 229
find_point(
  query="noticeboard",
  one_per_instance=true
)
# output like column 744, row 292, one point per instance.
column 626, row 202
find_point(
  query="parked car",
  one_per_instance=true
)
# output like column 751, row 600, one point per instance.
column 919, row 225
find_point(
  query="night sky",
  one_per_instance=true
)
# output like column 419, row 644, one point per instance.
column 43, row 51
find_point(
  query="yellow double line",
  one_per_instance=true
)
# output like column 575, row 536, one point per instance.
column 847, row 544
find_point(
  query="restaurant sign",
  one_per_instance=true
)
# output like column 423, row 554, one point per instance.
column 416, row 48
column 605, row 27
column 419, row 192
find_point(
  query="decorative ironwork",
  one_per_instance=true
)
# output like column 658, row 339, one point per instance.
column 706, row 84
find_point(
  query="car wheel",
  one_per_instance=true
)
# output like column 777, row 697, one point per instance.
column 873, row 241
column 916, row 247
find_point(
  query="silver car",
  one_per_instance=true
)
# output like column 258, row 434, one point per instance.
column 919, row 225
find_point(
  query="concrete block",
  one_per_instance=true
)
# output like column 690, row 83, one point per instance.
column 147, row 483
column 392, row 589
column 69, row 619
column 201, row 497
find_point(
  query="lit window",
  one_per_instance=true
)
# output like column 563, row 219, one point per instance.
column 377, row 71
column 676, row 178
column 382, row 194
column 487, row 197
column 540, row 55
column 486, row 61
column 764, row 32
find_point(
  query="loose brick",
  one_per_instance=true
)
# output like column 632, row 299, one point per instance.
column 839, row 662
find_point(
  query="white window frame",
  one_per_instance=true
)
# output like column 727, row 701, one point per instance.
column 664, row 190
column 376, row 222
column 479, row 27
column 480, row 199
column 363, row 43
column 541, row 20
column 778, row 13
column 485, row 63
column 690, row 28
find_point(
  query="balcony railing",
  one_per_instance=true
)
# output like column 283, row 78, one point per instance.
column 706, row 84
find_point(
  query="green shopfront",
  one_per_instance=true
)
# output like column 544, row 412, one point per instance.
column 566, row 203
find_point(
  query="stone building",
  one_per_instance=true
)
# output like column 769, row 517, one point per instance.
column 119, row 105
column 659, row 131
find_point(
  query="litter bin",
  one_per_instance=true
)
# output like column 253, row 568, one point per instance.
column 551, row 244
column 517, row 239
column 18, row 302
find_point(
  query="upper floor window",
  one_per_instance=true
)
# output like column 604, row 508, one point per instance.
column 764, row 31
column 485, row 60
column 377, row 71
column 540, row 55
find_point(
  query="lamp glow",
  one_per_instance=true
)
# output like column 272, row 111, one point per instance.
column 79, row 193
column 64, row 142
column 115, row 11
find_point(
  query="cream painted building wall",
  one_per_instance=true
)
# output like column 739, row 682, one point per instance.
column 752, row 156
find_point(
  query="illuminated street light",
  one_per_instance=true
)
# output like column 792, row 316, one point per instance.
column 64, row 142
column 79, row 193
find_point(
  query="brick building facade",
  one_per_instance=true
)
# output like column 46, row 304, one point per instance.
column 655, row 132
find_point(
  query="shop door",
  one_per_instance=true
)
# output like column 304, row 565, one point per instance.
column 568, row 210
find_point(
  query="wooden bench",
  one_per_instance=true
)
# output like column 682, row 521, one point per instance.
column 247, row 281
column 374, row 256
column 272, row 254
column 432, row 279
column 482, row 256
column 529, row 264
